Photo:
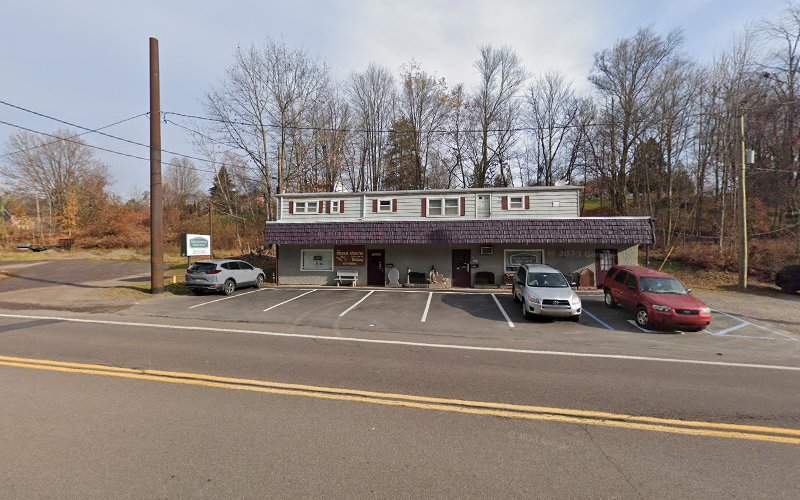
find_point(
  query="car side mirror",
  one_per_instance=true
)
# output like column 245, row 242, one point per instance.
column 688, row 290
column 631, row 287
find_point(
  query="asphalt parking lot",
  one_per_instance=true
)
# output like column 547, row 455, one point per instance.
column 480, row 314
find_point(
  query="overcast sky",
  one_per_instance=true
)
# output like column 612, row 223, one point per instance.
column 87, row 61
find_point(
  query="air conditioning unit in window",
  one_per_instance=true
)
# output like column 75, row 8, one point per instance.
column 487, row 250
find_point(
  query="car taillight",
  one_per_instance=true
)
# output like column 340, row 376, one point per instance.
column 215, row 271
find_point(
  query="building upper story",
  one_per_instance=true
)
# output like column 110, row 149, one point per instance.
column 551, row 202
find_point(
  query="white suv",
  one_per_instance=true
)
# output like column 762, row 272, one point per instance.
column 223, row 274
column 544, row 291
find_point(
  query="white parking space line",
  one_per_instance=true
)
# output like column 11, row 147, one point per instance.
column 286, row 301
column 402, row 343
column 755, row 325
column 508, row 320
column 230, row 297
column 427, row 306
column 603, row 323
column 731, row 329
column 362, row 299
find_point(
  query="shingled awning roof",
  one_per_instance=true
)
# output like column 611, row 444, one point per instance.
column 605, row 230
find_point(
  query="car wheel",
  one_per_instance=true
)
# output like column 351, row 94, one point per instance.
column 260, row 281
column 514, row 294
column 229, row 287
column 641, row 317
column 609, row 299
column 525, row 313
column 789, row 289
column 575, row 318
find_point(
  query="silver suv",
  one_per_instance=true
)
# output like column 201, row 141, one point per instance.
column 223, row 274
column 544, row 291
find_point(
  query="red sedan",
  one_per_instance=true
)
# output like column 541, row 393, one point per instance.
column 657, row 299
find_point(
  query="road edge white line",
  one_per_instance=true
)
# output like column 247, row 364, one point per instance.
column 458, row 347
column 362, row 299
column 427, row 306
column 508, row 320
column 287, row 301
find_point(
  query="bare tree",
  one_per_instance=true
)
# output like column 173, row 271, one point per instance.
column 64, row 172
column 553, row 112
column 423, row 105
column 373, row 97
column 495, row 112
column 181, row 183
column 626, row 78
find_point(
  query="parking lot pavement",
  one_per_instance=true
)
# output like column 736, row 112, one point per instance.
column 477, row 314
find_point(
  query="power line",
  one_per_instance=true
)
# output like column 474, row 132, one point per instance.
column 465, row 131
column 88, row 130
column 75, row 136
column 67, row 139
column 120, row 153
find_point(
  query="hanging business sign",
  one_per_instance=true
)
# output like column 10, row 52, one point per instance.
column 349, row 255
column 195, row 245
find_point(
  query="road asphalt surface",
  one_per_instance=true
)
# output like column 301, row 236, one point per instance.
column 226, row 400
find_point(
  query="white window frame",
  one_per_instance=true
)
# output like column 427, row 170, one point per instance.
column 382, row 208
column 335, row 206
column 521, row 203
column 444, row 206
column 306, row 206
column 316, row 250
column 510, row 250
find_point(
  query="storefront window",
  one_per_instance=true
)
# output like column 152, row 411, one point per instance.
column 316, row 260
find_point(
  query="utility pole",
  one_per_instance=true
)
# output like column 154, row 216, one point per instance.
column 743, row 261
column 156, row 194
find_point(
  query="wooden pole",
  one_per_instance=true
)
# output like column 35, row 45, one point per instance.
column 156, row 193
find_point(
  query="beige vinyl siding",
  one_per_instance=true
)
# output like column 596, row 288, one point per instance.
column 541, row 206
column 409, row 206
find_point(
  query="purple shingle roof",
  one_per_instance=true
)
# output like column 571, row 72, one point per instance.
column 607, row 230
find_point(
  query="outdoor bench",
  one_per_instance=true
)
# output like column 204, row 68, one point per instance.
column 346, row 276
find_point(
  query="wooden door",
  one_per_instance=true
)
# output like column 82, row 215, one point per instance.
column 376, row 270
column 603, row 260
column 461, row 274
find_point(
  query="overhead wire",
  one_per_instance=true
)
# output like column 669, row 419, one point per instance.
column 24, row 150
column 111, row 136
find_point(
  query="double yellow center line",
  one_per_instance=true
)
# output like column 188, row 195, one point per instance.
column 504, row 410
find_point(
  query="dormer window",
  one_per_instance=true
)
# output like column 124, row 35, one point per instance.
column 335, row 207
column 443, row 207
column 384, row 205
column 306, row 207
column 516, row 202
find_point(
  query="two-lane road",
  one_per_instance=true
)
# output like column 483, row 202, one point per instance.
column 117, row 408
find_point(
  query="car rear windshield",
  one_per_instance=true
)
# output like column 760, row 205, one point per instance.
column 547, row 280
column 202, row 267
column 661, row 285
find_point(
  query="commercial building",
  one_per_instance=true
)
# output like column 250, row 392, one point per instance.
column 468, row 237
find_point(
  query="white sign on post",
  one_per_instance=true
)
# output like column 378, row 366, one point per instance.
column 196, row 245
